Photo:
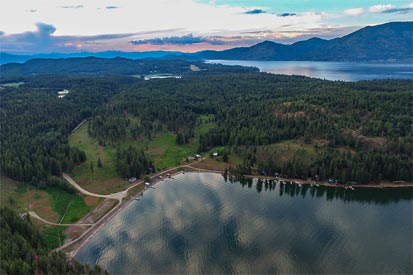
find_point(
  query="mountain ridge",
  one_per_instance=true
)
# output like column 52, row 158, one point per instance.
column 391, row 41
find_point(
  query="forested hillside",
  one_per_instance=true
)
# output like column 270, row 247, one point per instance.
column 357, row 131
column 105, row 66
column 362, row 130
column 23, row 250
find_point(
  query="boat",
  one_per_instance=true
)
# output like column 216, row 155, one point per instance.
column 147, row 183
column 318, row 185
column 351, row 187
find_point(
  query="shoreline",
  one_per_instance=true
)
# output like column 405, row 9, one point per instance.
column 78, row 243
column 75, row 245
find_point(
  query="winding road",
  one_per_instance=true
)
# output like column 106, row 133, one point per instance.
column 116, row 196
column 34, row 215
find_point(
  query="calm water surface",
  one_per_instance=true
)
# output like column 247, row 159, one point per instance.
column 346, row 71
column 198, row 223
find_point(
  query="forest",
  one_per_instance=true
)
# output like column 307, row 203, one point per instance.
column 362, row 130
column 290, row 126
column 24, row 251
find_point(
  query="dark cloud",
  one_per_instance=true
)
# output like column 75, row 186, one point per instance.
column 397, row 10
column 72, row 7
column 179, row 40
column 256, row 11
column 286, row 14
column 111, row 7
column 42, row 40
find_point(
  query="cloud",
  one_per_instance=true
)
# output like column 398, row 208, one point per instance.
column 44, row 40
column 389, row 8
column 179, row 40
column 32, row 10
column 287, row 14
column 255, row 11
column 72, row 7
column 111, row 7
column 354, row 12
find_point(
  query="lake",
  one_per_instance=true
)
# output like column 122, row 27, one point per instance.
column 200, row 223
column 346, row 71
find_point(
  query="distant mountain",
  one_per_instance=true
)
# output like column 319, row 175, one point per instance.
column 390, row 41
column 14, row 58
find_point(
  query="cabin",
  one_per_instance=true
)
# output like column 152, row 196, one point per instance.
column 132, row 180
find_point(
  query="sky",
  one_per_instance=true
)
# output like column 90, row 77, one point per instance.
column 44, row 26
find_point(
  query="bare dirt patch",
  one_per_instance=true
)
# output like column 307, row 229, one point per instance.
column 103, row 187
column 212, row 164
column 39, row 202
column 375, row 142
column 91, row 201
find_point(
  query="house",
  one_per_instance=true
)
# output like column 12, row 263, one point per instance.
column 191, row 158
column 198, row 156
column 132, row 180
column 215, row 154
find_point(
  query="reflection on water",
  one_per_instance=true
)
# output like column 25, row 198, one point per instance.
column 198, row 223
column 346, row 71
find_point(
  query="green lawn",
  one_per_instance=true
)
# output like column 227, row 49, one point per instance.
column 72, row 206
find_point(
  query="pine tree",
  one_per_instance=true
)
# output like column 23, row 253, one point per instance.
column 99, row 163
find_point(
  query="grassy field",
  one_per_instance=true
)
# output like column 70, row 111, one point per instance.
column 162, row 149
column 49, row 203
column 286, row 150
column 166, row 153
column 53, row 235
column 103, row 180
column 69, row 207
